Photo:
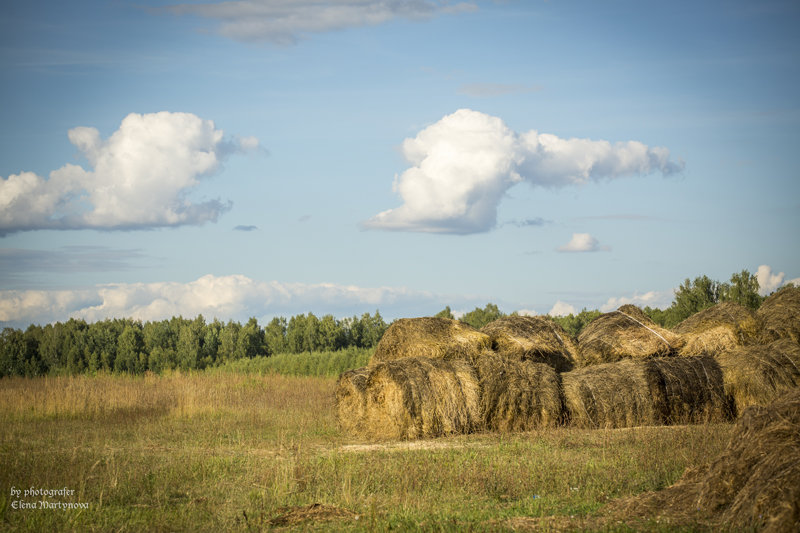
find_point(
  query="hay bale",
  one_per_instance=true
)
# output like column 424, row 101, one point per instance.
column 718, row 329
column 351, row 399
column 756, row 375
column 536, row 339
column 413, row 398
column 624, row 333
column 432, row 337
column 754, row 485
column 518, row 395
column 611, row 395
column 645, row 392
column 756, row 482
column 780, row 315
column 689, row 390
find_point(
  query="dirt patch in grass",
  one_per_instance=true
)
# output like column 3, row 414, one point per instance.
column 316, row 512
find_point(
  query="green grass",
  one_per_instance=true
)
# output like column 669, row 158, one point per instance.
column 328, row 364
column 231, row 451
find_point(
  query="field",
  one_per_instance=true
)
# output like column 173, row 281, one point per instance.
column 247, row 452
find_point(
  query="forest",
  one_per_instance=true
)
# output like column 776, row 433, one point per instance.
column 125, row 345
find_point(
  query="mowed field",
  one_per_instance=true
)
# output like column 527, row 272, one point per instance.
column 248, row 452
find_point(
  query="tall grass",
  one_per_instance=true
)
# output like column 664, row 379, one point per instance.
column 230, row 451
column 302, row 364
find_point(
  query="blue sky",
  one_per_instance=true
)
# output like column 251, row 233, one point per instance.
column 263, row 158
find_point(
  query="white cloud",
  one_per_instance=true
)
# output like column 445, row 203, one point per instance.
column 527, row 312
column 654, row 299
column 234, row 296
column 582, row 242
column 767, row 280
column 562, row 309
column 463, row 165
column 140, row 178
column 286, row 21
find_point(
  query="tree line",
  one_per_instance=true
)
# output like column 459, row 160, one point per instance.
column 127, row 345
column 131, row 346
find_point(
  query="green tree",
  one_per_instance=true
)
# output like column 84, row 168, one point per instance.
column 743, row 290
column 478, row 317
column 130, row 350
column 251, row 340
column 445, row 313
column 275, row 336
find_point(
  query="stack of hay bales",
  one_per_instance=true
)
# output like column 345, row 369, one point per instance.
column 756, row 375
column 430, row 337
column 417, row 397
column 780, row 315
column 645, row 392
column 624, row 333
column 351, row 400
column 719, row 328
column 753, row 486
column 536, row 339
column 518, row 395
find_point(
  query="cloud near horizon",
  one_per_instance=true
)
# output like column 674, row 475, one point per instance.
column 285, row 22
column 463, row 165
column 140, row 178
column 224, row 297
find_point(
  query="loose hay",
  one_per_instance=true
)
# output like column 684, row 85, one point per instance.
column 756, row 375
column 645, row 392
column 351, row 400
column 717, row 329
column 518, row 395
column 536, row 339
column 621, row 334
column 780, row 315
column 430, row 337
column 316, row 512
column 753, row 485
column 414, row 398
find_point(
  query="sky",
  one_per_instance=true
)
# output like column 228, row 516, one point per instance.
column 263, row 158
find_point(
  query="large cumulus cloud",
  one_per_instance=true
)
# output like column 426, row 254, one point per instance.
column 462, row 165
column 139, row 178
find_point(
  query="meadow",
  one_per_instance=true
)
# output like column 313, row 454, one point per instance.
column 243, row 449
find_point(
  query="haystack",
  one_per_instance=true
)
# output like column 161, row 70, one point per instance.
column 536, row 339
column 645, row 392
column 756, row 375
column 780, row 315
column 518, row 395
column 430, row 337
column 717, row 329
column 611, row 395
column 413, row 398
column 624, row 333
column 351, row 400
column 753, row 486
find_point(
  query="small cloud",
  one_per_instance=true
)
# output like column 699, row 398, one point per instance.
column 286, row 22
column 245, row 228
column 529, row 222
column 481, row 90
column 582, row 242
column 767, row 280
column 561, row 309
column 304, row 218
column 527, row 312
column 654, row 299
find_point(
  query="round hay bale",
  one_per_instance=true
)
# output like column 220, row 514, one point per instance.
column 611, row 395
column 756, row 375
column 718, row 329
column 624, row 333
column 351, row 399
column 418, row 397
column 432, row 337
column 665, row 390
column 689, row 390
column 780, row 315
column 535, row 339
column 518, row 395
column 756, row 482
